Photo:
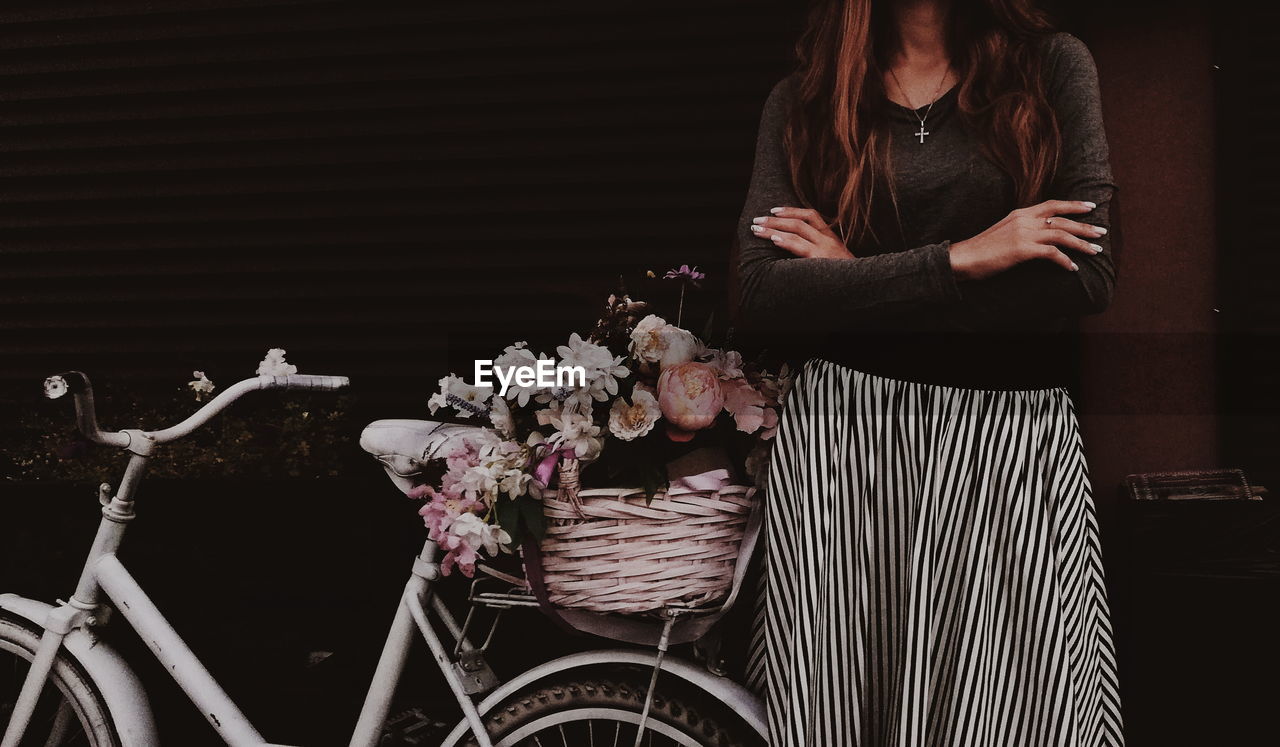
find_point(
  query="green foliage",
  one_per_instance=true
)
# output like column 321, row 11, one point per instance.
column 520, row 516
column 640, row 462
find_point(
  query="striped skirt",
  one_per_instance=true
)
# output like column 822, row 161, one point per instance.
column 932, row 574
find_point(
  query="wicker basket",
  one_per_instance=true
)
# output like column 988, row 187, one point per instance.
column 611, row 551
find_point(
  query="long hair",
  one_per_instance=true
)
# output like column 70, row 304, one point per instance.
column 836, row 136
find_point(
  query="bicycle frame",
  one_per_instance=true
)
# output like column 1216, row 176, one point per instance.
column 105, row 578
column 105, row 584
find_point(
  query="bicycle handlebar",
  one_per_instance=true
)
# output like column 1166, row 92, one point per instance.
column 314, row 382
column 77, row 384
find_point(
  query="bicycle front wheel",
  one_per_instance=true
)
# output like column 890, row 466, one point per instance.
column 606, row 711
column 70, row 712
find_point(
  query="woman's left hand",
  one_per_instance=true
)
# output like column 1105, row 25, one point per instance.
column 801, row 231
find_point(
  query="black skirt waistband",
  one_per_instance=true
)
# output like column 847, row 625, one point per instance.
column 1005, row 361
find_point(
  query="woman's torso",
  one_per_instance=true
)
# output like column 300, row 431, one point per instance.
column 948, row 189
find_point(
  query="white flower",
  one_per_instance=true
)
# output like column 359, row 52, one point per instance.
column 464, row 398
column 655, row 341
column 475, row 532
column 574, row 428
column 602, row 370
column 646, row 340
column 201, row 385
column 682, row 347
column 500, row 416
column 500, row 471
column 275, row 365
column 55, row 387
column 518, row 356
column 629, row 422
column 480, row 482
column 514, row 482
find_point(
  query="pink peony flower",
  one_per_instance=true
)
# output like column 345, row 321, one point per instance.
column 690, row 398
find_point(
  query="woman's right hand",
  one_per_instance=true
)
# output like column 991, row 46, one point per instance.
column 1035, row 232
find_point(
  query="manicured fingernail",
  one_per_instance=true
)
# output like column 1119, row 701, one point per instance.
column 1089, row 205
column 759, row 220
column 1095, row 248
column 776, row 210
column 1101, row 231
column 757, row 229
column 776, row 237
column 1074, row 266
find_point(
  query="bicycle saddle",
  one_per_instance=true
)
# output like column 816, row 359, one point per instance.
column 406, row 447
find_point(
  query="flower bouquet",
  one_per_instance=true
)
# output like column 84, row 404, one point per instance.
column 647, row 405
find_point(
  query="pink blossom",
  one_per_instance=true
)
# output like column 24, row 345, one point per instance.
column 466, row 454
column 439, row 514
column 688, row 274
column 420, row 492
column 690, row 398
column 457, row 552
column 458, row 462
column 444, row 505
column 745, row 403
column 770, row 423
column 727, row 363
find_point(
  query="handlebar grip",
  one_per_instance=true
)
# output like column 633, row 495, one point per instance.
column 311, row 381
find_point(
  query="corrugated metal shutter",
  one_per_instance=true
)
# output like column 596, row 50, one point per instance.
column 378, row 187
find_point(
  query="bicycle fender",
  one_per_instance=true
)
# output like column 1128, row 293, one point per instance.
column 121, row 690
column 726, row 691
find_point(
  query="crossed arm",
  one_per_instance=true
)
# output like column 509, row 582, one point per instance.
column 791, row 263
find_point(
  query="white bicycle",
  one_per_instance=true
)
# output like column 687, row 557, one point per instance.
column 62, row 683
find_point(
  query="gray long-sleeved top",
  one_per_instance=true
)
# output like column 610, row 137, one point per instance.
column 898, row 309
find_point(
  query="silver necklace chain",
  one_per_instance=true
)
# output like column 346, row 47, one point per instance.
column 922, row 133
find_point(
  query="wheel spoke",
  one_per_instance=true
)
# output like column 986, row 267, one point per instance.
column 569, row 714
column 62, row 724
column 574, row 727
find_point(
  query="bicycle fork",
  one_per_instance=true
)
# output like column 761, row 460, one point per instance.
column 38, row 674
column 117, row 512
column 104, row 574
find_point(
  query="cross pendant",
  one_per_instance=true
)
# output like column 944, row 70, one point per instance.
column 921, row 133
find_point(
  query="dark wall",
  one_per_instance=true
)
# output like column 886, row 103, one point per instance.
column 1248, row 51
column 1149, row 364
column 377, row 187
column 1179, row 373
